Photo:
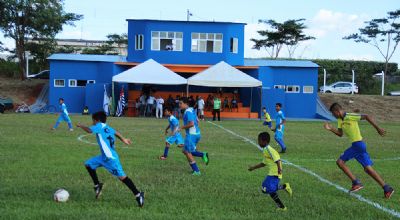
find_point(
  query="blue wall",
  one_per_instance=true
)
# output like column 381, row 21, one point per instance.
column 145, row 27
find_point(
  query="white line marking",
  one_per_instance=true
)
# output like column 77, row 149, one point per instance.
column 332, row 160
column 320, row 178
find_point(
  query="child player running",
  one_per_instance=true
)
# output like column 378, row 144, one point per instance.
column 175, row 137
column 348, row 125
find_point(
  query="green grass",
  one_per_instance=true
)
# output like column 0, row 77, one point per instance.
column 35, row 162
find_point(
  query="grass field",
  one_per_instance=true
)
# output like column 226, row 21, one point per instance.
column 35, row 162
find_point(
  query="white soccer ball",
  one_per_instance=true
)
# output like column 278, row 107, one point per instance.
column 61, row 195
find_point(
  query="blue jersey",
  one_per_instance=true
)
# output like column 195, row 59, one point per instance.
column 173, row 123
column 63, row 109
column 190, row 116
column 105, row 136
column 279, row 119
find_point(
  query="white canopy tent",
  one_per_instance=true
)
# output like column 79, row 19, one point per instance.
column 223, row 75
column 150, row 72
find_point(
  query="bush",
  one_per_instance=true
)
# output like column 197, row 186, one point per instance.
column 9, row 69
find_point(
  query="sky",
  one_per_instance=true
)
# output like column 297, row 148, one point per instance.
column 327, row 20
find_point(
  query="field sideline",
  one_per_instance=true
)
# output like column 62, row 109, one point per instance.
column 36, row 161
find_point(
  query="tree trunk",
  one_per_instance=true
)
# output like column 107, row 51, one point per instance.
column 19, row 50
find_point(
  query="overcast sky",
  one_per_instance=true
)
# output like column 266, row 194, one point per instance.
column 327, row 20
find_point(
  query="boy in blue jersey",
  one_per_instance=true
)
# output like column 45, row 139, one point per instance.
column 108, row 159
column 191, row 126
column 175, row 137
column 348, row 125
column 279, row 129
column 63, row 115
column 273, row 162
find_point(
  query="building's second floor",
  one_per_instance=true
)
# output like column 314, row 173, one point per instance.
column 185, row 42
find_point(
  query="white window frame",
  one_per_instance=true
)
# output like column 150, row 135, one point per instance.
column 280, row 87
column 308, row 87
column 139, row 42
column 235, row 44
column 55, row 80
column 202, row 38
column 174, row 39
column 294, row 91
column 91, row 81
column 72, row 80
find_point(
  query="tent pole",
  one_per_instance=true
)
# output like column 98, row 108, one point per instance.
column 251, row 99
column 187, row 90
column 261, row 104
column 113, row 100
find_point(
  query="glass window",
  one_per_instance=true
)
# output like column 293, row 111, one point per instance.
column 218, row 36
column 81, row 83
column 203, row 36
column 218, row 46
column 292, row 89
column 72, row 83
column 155, row 34
column 279, row 87
column 59, row 82
column 234, row 45
column 139, row 42
column 207, row 42
column 308, row 89
column 91, row 81
column 167, row 41
column 155, row 44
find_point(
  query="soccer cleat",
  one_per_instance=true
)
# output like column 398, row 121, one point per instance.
column 356, row 187
column 71, row 129
column 282, row 151
column 162, row 157
column 288, row 189
column 140, row 199
column 196, row 173
column 284, row 209
column 98, row 189
column 389, row 192
column 206, row 159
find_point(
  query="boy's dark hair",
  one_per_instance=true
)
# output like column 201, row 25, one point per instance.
column 335, row 107
column 279, row 104
column 264, row 136
column 263, row 108
column 100, row 116
column 167, row 109
column 60, row 99
column 184, row 100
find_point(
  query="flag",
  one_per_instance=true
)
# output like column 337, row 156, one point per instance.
column 121, row 103
column 106, row 102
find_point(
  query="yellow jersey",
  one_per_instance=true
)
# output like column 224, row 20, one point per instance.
column 271, row 156
column 349, row 126
column 267, row 117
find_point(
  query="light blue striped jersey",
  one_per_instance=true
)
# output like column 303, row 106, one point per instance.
column 105, row 136
column 190, row 116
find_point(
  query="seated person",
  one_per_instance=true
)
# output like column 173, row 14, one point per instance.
column 234, row 104
column 226, row 104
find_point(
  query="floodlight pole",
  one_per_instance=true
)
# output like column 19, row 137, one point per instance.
column 324, row 79
column 352, row 82
column 27, row 63
column 383, row 83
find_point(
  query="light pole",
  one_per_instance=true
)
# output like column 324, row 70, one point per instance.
column 383, row 83
column 27, row 55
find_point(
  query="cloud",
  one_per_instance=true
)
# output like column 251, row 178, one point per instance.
column 327, row 22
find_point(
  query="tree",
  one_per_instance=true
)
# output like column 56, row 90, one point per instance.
column 289, row 33
column 381, row 33
column 108, row 48
column 36, row 19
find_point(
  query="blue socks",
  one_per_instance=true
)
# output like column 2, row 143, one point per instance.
column 281, row 143
column 198, row 154
column 194, row 166
column 166, row 151
column 70, row 125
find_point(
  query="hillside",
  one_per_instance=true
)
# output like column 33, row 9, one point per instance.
column 385, row 108
column 21, row 91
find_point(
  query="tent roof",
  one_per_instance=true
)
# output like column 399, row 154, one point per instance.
column 150, row 72
column 223, row 75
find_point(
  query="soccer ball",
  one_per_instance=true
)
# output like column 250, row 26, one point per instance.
column 61, row 195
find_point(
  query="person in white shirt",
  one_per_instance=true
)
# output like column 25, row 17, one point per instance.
column 142, row 105
column 150, row 105
column 159, row 108
column 200, row 105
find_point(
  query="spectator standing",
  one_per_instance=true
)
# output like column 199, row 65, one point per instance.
column 159, row 108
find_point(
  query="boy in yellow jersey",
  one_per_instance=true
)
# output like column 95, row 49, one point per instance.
column 348, row 125
column 273, row 162
column 267, row 118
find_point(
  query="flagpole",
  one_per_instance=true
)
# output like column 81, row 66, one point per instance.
column 113, row 100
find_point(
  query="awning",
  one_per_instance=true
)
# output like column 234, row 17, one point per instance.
column 150, row 72
column 223, row 75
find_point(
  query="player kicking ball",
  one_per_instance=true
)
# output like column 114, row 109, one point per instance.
column 175, row 137
column 348, row 125
column 192, row 138
column 273, row 162
column 108, row 159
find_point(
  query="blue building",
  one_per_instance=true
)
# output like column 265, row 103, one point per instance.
column 186, row 48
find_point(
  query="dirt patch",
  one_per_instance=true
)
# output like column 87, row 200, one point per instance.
column 386, row 108
column 21, row 91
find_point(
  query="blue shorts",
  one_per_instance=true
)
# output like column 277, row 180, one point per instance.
column 175, row 139
column 270, row 184
column 278, row 134
column 191, row 141
column 112, row 165
column 358, row 150
column 64, row 117
column 267, row 123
